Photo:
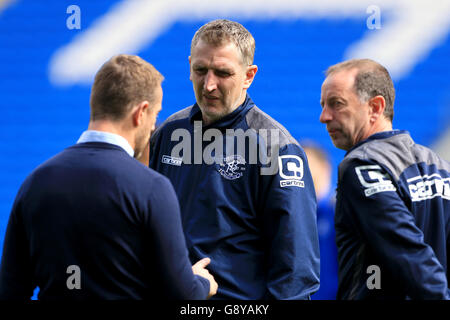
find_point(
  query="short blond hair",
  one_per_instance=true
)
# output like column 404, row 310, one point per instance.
column 220, row 32
column 122, row 82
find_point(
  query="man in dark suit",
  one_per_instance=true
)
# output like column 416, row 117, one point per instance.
column 94, row 223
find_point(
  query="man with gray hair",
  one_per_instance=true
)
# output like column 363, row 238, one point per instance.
column 253, row 212
column 392, row 214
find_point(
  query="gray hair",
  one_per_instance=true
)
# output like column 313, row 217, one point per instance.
column 371, row 80
column 220, row 32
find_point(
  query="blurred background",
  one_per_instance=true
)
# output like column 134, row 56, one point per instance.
column 51, row 50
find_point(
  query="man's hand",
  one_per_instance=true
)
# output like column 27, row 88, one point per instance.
column 200, row 269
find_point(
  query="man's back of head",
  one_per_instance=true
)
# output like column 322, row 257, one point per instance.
column 122, row 82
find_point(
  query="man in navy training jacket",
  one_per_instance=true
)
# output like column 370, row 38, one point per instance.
column 246, row 193
column 94, row 223
column 392, row 215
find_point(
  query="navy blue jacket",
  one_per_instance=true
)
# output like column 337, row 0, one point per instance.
column 393, row 220
column 328, row 250
column 95, row 207
column 259, row 228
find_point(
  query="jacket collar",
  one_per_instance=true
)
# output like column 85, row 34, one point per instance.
column 228, row 120
column 378, row 136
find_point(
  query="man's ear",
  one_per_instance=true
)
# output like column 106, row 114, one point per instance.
column 139, row 111
column 377, row 105
column 190, row 73
column 250, row 75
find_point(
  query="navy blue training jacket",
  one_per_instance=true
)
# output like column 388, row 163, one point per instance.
column 393, row 220
column 95, row 207
column 258, row 227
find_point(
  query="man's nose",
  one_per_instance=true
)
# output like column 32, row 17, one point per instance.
column 210, row 81
column 325, row 116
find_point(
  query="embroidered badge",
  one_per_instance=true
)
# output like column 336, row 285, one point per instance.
column 232, row 167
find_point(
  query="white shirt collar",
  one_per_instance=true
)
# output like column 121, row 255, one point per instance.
column 107, row 137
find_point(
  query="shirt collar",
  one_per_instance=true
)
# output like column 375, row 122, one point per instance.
column 106, row 137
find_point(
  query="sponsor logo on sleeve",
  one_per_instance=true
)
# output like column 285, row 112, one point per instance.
column 291, row 171
column 428, row 187
column 171, row 160
column 374, row 180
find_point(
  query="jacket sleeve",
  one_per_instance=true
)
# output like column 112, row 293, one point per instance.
column 164, row 226
column 387, row 226
column 290, row 227
column 15, row 269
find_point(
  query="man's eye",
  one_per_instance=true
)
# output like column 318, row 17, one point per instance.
column 200, row 71
column 336, row 103
column 222, row 74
